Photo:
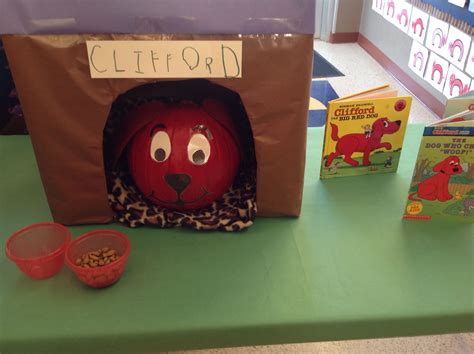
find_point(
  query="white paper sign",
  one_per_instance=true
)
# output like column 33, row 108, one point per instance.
column 402, row 17
column 378, row 6
column 436, row 71
column 437, row 35
column 470, row 62
column 165, row 59
column 389, row 11
column 457, row 48
column 457, row 83
column 418, row 25
column 418, row 58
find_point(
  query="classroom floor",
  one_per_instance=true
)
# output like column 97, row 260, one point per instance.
column 443, row 344
column 361, row 72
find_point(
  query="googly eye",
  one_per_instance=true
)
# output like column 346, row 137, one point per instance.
column 160, row 148
column 199, row 149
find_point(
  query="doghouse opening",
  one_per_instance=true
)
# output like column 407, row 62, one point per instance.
column 237, row 207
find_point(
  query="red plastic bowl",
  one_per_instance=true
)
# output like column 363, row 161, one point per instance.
column 38, row 249
column 99, row 277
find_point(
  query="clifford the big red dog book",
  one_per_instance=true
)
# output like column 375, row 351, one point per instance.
column 364, row 133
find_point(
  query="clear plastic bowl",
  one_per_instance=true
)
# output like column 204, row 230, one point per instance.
column 38, row 249
column 107, row 275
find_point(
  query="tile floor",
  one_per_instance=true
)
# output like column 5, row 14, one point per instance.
column 362, row 72
column 442, row 344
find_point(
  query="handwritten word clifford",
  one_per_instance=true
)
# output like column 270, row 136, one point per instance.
column 165, row 59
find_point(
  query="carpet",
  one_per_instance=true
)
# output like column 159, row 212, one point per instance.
column 322, row 68
column 321, row 93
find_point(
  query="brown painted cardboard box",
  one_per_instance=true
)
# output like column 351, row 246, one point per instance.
column 66, row 111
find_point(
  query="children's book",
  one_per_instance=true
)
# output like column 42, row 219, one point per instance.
column 364, row 133
column 442, row 185
column 459, row 104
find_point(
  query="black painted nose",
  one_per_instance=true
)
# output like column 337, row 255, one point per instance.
column 399, row 122
column 455, row 169
column 178, row 181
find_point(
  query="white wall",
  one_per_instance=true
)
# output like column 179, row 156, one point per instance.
column 392, row 42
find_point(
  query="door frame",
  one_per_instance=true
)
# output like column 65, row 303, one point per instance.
column 326, row 13
column 318, row 21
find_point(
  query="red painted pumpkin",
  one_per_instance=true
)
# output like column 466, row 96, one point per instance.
column 186, row 156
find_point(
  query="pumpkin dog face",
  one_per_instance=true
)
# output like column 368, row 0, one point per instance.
column 186, row 157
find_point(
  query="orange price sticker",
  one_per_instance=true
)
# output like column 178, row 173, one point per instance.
column 414, row 208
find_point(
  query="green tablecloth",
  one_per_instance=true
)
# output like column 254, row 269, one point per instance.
column 349, row 267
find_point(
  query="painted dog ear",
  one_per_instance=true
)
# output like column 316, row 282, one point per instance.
column 377, row 130
column 220, row 112
column 133, row 121
column 439, row 166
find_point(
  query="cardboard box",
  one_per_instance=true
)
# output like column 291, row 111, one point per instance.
column 66, row 110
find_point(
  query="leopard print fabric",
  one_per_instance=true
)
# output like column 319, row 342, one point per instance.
column 235, row 211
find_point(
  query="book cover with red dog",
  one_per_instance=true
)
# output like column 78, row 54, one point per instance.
column 443, row 180
column 364, row 133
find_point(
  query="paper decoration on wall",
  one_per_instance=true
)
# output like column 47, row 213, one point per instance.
column 457, row 47
column 418, row 58
column 470, row 62
column 436, row 71
column 459, row 3
column 418, row 25
column 389, row 11
column 378, row 6
column 437, row 35
column 457, row 83
column 403, row 14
